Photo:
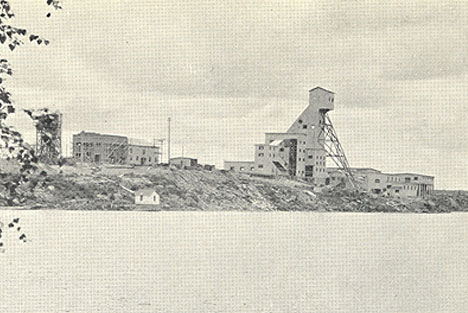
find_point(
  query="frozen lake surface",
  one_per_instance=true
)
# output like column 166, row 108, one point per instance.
column 98, row 261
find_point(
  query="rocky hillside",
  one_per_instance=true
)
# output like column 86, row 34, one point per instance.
column 84, row 187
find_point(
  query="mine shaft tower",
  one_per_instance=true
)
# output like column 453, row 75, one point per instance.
column 48, row 134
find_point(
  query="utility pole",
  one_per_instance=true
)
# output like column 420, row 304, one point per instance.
column 168, row 140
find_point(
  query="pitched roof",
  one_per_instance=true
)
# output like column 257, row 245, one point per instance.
column 322, row 89
column 146, row 192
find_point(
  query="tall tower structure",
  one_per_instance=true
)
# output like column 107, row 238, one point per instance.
column 303, row 150
column 321, row 139
column 48, row 134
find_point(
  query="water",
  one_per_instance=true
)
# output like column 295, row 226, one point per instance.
column 235, row 262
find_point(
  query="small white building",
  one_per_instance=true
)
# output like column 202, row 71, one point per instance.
column 146, row 196
column 183, row 162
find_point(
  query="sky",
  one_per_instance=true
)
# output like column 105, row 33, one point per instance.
column 226, row 72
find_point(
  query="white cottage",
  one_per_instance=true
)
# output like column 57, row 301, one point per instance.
column 146, row 196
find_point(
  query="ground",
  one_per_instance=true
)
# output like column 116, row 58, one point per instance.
column 89, row 187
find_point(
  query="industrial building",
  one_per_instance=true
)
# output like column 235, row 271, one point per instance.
column 303, row 149
column 183, row 162
column 299, row 152
column 102, row 148
column 142, row 153
column 401, row 185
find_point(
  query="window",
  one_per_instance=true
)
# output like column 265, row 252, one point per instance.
column 260, row 154
column 415, row 178
column 397, row 191
column 232, row 168
column 137, row 157
column 300, row 121
column 281, row 149
column 261, row 147
column 260, row 166
column 310, row 156
column 252, row 168
column 149, row 159
column 241, row 168
column 304, row 126
column 141, row 197
column 144, row 151
column 377, row 181
column 154, row 198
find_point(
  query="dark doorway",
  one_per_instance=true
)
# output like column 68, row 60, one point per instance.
column 97, row 158
column 309, row 171
column 292, row 145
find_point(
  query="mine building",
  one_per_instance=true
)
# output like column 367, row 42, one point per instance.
column 92, row 147
column 183, row 162
column 100, row 148
column 141, row 152
column 298, row 152
column 302, row 152
column 401, row 185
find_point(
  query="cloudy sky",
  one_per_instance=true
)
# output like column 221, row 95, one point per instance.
column 228, row 71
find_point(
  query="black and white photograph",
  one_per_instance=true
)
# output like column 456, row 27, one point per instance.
column 233, row 156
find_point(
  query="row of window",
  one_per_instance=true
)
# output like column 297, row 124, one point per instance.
column 142, row 152
column 271, row 155
column 269, row 147
column 137, row 159
column 90, row 144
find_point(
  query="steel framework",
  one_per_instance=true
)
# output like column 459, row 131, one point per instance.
column 332, row 146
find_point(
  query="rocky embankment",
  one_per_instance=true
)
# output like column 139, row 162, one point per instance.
column 85, row 187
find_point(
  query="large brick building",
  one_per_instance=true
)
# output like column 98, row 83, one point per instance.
column 102, row 148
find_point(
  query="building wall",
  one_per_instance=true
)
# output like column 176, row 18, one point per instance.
column 240, row 166
column 143, row 198
column 398, row 185
column 142, row 155
column 183, row 162
column 301, row 152
column 99, row 148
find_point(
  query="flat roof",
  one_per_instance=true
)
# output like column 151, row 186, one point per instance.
column 409, row 174
column 98, row 134
column 185, row 158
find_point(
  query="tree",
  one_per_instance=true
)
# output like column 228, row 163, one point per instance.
column 12, row 145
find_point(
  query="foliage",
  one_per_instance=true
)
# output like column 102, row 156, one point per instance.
column 12, row 145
